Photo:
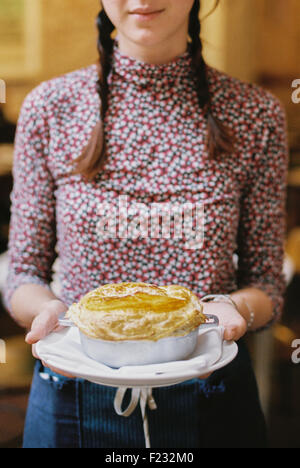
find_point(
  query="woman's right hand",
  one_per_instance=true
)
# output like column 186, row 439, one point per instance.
column 47, row 321
column 44, row 324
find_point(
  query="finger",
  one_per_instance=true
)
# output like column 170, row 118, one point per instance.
column 42, row 325
column 205, row 376
column 58, row 328
column 39, row 332
column 231, row 334
column 57, row 371
column 228, row 335
column 34, row 336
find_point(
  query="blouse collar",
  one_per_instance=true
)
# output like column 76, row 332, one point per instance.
column 144, row 73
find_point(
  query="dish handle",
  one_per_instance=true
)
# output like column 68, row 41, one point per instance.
column 66, row 323
column 213, row 321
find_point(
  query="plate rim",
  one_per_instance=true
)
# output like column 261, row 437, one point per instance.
column 145, row 380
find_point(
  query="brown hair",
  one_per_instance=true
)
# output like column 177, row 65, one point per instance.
column 219, row 138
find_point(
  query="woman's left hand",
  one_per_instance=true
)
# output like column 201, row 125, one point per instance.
column 235, row 326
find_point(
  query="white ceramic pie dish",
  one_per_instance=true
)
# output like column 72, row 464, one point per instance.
column 142, row 352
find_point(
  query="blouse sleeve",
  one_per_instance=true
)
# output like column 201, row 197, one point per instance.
column 32, row 236
column 262, row 228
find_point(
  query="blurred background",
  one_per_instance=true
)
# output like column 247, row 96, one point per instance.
column 255, row 40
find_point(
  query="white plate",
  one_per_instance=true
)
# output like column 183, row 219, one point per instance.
column 62, row 350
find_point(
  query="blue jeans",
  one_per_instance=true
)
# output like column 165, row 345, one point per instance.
column 221, row 411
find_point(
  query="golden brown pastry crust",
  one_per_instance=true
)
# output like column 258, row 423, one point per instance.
column 137, row 311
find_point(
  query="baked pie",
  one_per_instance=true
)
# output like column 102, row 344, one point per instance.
column 137, row 311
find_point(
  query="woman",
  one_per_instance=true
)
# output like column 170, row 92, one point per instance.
column 155, row 123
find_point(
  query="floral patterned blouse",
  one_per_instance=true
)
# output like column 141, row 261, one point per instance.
column 156, row 158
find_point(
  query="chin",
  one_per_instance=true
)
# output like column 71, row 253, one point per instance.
column 146, row 38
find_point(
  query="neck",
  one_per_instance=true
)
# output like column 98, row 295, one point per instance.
column 156, row 54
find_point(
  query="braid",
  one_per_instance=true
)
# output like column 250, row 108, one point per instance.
column 219, row 138
column 91, row 161
column 197, row 57
column 105, row 47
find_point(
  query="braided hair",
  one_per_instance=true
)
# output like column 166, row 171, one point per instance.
column 219, row 139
